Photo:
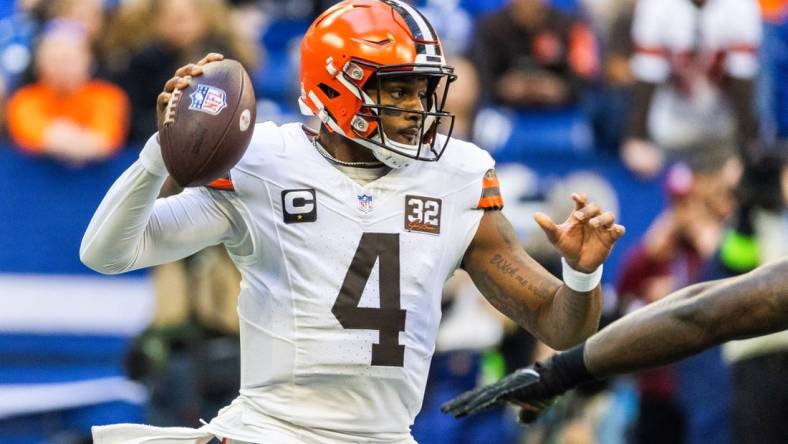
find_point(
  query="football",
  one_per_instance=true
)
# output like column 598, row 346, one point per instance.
column 208, row 125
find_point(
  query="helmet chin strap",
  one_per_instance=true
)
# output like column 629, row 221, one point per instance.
column 389, row 158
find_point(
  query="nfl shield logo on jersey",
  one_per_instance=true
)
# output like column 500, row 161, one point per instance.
column 365, row 203
column 208, row 99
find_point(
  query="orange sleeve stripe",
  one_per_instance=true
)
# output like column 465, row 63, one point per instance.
column 490, row 182
column 222, row 184
column 491, row 192
column 490, row 203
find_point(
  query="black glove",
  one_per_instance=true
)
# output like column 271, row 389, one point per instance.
column 533, row 388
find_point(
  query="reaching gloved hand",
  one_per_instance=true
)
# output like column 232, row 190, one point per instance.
column 533, row 388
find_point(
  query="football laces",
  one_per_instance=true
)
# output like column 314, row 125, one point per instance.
column 172, row 105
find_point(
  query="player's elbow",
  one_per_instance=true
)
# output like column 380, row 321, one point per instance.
column 702, row 323
column 97, row 262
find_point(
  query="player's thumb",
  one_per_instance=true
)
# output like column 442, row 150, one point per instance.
column 550, row 229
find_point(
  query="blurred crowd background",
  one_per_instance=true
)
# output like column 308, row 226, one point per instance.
column 671, row 113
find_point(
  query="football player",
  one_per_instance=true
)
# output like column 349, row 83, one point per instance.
column 345, row 236
column 680, row 324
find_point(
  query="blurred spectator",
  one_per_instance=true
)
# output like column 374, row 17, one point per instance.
column 670, row 256
column 611, row 100
column 532, row 55
column 177, row 32
column 462, row 98
column 91, row 15
column 88, row 13
column 17, row 34
column 690, row 55
column 66, row 114
column 759, row 365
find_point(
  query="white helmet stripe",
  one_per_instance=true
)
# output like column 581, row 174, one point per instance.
column 419, row 27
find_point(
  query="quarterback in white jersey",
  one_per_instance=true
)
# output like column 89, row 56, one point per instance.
column 345, row 236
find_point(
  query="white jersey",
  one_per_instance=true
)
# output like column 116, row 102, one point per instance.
column 676, row 38
column 341, row 283
column 688, row 50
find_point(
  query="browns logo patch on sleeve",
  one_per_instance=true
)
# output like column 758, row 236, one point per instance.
column 224, row 184
column 491, row 192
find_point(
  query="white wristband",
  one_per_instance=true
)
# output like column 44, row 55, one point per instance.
column 150, row 157
column 579, row 281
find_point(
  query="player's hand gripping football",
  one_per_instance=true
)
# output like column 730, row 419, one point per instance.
column 586, row 237
column 533, row 388
column 180, row 80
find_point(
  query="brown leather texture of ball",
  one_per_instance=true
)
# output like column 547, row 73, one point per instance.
column 208, row 125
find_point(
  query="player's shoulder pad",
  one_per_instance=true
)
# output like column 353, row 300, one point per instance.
column 267, row 142
column 465, row 158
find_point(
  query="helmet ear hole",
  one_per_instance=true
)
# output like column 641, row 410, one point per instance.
column 328, row 91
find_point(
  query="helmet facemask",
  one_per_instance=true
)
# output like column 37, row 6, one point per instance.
column 368, row 123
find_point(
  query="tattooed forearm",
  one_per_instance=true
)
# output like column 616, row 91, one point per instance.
column 523, row 290
column 581, row 311
column 511, row 268
column 512, row 307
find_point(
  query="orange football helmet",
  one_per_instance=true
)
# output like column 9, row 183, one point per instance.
column 358, row 40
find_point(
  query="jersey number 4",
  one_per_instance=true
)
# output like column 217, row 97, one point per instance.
column 389, row 319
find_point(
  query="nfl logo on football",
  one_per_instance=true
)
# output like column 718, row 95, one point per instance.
column 365, row 203
column 208, row 99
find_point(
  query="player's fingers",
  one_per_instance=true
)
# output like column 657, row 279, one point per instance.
column 184, row 70
column 196, row 68
column 177, row 83
column 169, row 85
column 547, row 225
column 470, row 402
column 211, row 57
column 481, row 406
column 163, row 99
column 459, row 403
column 616, row 231
column 587, row 212
column 604, row 220
column 580, row 200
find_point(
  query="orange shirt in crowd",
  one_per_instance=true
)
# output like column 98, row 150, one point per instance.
column 99, row 107
column 775, row 11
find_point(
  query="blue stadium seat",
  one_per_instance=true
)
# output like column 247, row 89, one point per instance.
column 274, row 78
column 279, row 33
column 481, row 7
column 512, row 135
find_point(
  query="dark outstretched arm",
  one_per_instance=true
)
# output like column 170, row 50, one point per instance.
column 679, row 325
column 692, row 319
column 524, row 291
